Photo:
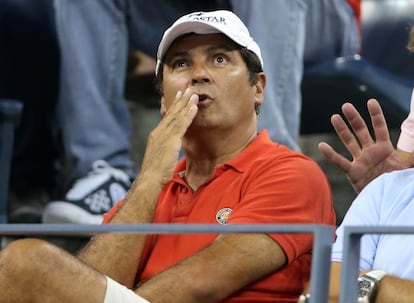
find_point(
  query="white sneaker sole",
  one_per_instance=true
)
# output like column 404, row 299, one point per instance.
column 64, row 212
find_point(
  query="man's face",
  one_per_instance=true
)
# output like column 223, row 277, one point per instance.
column 212, row 67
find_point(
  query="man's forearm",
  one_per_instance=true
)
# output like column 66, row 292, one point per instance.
column 393, row 289
column 230, row 263
column 116, row 255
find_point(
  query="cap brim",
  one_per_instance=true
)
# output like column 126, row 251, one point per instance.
column 183, row 28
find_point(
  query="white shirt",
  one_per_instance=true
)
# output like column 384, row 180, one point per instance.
column 387, row 200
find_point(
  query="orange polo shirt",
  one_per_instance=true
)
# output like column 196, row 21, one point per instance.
column 266, row 183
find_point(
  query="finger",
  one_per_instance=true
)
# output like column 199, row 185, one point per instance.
column 357, row 124
column 182, row 111
column 180, row 101
column 186, row 115
column 346, row 135
column 378, row 121
column 333, row 157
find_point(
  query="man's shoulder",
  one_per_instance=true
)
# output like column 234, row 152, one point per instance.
column 396, row 178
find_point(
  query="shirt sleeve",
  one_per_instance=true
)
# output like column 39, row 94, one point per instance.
column 364, row 211
column 107, row 217
column 294, row 192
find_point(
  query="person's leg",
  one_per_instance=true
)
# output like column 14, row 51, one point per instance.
column 331, row 31
column 36, row 271
column 279, row 29
column 93, row 113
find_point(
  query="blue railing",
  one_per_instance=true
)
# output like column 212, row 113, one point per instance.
column 322, row 244
column 323, row 236
column 351, row 255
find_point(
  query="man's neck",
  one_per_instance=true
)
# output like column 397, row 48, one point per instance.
column 203, row 156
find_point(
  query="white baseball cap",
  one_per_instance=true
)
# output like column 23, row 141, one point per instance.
column 220, row 21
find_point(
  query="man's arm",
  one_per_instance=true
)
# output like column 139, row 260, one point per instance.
column 231, row 262
column 118, row 255
column 370, row 157
column 334, row 286
column 391, row 288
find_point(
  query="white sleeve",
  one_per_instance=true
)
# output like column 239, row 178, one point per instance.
column 364, row 211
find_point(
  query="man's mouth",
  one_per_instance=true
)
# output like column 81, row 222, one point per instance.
column 201, row 98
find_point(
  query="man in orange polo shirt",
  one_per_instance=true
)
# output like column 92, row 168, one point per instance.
column 210, row 75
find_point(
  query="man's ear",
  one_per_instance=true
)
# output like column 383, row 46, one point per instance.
column 163, row 109
column 259, row 87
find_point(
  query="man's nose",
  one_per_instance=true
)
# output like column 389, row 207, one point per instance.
column 200, row 74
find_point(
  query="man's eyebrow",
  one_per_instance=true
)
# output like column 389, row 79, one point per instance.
column 224, row 47
column 172, row 55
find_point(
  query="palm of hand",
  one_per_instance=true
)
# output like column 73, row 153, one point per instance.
column 372, row 161
column 371, row 157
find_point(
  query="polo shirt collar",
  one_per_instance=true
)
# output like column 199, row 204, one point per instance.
column 242, row 161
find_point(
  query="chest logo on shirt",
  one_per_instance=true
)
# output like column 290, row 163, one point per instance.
column 223, row 215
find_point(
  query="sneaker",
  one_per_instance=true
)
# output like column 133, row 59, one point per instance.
column 90, row 197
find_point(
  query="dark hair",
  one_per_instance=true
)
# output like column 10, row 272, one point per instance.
column 253, row 64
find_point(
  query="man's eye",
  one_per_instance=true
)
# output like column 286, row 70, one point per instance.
column 220, row 59
column 179, row 63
